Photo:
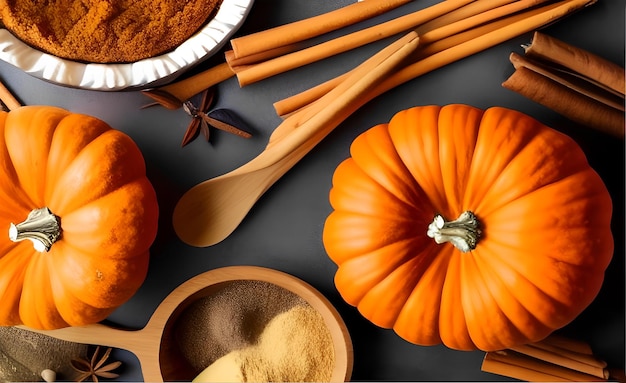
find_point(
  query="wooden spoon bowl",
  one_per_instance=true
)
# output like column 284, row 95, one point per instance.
column 157, row 347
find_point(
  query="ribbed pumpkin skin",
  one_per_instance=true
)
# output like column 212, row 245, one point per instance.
column 545, row 217
column 94, row 179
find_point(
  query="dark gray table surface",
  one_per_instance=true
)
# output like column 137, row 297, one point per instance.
column 283, row 231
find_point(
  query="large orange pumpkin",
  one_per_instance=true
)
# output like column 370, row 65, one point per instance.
column 77, row 191
column 471, row 228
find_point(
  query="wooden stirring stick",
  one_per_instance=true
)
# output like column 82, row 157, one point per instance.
column 7, row 98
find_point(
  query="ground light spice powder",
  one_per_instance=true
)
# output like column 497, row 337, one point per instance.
column 254, row 331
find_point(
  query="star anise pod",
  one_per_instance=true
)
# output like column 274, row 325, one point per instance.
column 202, row 120
column 95, row 367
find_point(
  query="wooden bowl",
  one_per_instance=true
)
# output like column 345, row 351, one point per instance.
column 157, row 348
column 208, row 283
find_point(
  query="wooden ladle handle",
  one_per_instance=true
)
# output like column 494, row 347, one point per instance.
column 145, row 344
column 93, row 334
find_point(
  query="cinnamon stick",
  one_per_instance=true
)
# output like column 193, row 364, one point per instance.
column 345, row 43
column 7, row 98
column 472, row 41
column 575, row 345
column 408, row 43
column 344, row 100
column 173, row 95
column 290, row 104
column 462, row 13
column 312, row 108
column 495, row 366
column 580, row 61
column 523, row 23
column 571, row 354
column 471, row 15
column 567, row 102
column 458, row 38
column 487, row 15
column 561, row 360
column 617, row 374
column 311, row 27
column 237, row 63
column 577, row 84
column 533, row 367
column 571, row 80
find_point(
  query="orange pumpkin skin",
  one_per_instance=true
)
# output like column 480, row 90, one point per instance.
column 93, row 178
column 544, row 215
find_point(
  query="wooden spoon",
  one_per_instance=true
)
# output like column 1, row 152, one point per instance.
column 157, row 348
column 212, row 210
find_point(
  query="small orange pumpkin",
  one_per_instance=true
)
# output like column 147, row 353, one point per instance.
column 471, row 228
column 77, row 191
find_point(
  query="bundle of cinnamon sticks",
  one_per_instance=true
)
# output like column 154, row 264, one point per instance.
column 554, row 359
column 260, row 55
column 575, row 83
column 448, row 31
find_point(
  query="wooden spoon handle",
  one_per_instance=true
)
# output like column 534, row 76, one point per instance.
column 320, row 118
column 93, row 334
column 201, row 223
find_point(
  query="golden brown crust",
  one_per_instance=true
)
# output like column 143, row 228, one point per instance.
column 105, row 31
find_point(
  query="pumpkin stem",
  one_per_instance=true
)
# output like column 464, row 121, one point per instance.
column 41, row 227
column 464, row 232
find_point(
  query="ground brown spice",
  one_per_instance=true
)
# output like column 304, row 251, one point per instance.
column 105, row 31
column 269, row 332
column 230, row 319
